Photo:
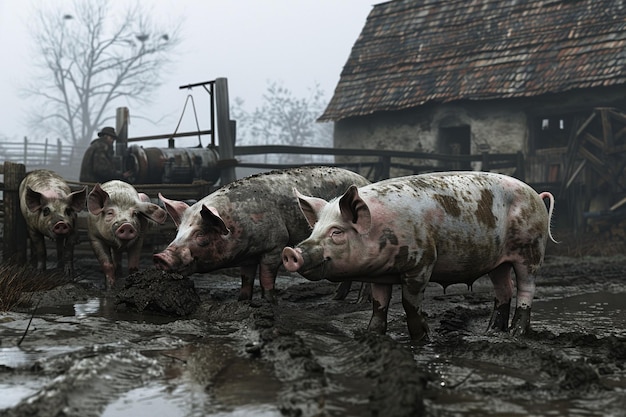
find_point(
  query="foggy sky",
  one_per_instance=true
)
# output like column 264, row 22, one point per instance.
column 250, row 42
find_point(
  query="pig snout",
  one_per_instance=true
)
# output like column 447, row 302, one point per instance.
column 126, row 232
column 163, row 261
column 61, row 228
column 292, row 259
column 173, row 259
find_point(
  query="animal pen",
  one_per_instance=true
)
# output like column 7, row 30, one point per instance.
column 595, row 155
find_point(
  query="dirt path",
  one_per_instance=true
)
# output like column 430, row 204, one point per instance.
column 309, row 355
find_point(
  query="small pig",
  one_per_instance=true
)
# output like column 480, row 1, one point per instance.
column 118, row 220
column 50, row 208
column 444, row 227
column 248, row 223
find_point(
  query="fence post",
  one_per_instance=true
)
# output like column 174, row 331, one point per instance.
column 485, row 162
column 520, row 170
column 225, row 135
column 25, row 150
column 59, row 151
column 14, row 239
column 45, row 152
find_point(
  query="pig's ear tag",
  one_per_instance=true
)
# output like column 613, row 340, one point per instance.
column 355, row 211
column 213, row 219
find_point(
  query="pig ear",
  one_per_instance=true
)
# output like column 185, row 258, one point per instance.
column 34, row 199
column 174, row 208
column 153, row 212
column 310, row 207
column 78, row 199
column 212, row 218
column 97, row 199
column 354, row 210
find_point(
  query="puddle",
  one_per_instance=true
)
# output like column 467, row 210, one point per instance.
column 600, row 313
column 105, row 308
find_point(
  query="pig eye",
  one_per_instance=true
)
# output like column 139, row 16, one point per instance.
column 336, row 234
column 201, row 239
column 46, row 211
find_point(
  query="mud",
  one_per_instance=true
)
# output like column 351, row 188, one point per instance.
column 168, row 345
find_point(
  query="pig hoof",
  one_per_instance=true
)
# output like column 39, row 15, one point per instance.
column 244, row 296
column 500, row 318
column 521, row 322
column 342, row 290
column 270, row 296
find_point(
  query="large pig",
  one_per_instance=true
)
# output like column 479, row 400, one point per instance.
column 50, row 208
column 248, row 223
column 118, row 219
column 446, row 227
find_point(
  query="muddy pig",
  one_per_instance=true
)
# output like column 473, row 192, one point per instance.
column 445, row 227
column 248, row 223
column 50, row 208
column 118, row 219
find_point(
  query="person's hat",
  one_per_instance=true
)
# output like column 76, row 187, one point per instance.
column 109, row 131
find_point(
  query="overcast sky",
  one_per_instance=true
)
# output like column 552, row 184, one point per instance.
column 250, row 42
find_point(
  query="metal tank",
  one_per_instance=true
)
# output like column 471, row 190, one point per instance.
column 172, row 165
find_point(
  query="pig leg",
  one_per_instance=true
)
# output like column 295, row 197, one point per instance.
column 267, row 278
column 342, row 290
column 134, row 256
column 381, row 294
column 412, row 296
column 37, row 249
column 525, row 280
column 503, row 288
column 248, row 273
column 65, row 255
column 103, row 253
column 117, row 262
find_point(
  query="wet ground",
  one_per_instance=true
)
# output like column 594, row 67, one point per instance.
column 91, row 354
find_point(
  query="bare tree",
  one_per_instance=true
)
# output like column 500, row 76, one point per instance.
column 90, row 60
column 284, row 119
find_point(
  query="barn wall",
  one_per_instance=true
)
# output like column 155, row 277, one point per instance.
column 499, row 128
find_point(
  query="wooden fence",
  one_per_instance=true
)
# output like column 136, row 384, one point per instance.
column 374, row 164
column 48, row 152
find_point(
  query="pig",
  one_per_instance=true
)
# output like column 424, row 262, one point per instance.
column 118, row 219
column 50, row 209
column 450, row 227
column 247, row 224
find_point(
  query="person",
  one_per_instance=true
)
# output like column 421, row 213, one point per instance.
column 98, row 164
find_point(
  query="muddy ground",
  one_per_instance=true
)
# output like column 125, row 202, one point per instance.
column 87, row 353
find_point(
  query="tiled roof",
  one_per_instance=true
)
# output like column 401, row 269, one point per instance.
column 411, row 52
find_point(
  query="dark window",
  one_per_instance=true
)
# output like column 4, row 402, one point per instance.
column 552, row 131
column 456, row 141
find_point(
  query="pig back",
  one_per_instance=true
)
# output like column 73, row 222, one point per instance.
column 265, row 204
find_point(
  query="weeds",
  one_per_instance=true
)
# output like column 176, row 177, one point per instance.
column 19, row 282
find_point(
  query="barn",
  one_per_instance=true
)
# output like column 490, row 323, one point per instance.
column 462, row 77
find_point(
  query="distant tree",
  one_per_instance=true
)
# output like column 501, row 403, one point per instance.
column 283, row 119
column 90, row 61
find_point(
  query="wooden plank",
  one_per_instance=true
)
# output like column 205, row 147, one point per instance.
column 575, row 174
column 607, row 129
column 14, row 239
column 619, row 117
column 588, row 137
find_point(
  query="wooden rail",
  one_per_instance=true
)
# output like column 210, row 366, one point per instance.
column 380, row 166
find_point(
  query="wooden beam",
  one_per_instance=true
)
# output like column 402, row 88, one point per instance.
column 14, row 239
column 588, row 137
column 607, row 129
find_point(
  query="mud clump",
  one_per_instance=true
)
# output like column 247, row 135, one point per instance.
column 160, row 292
